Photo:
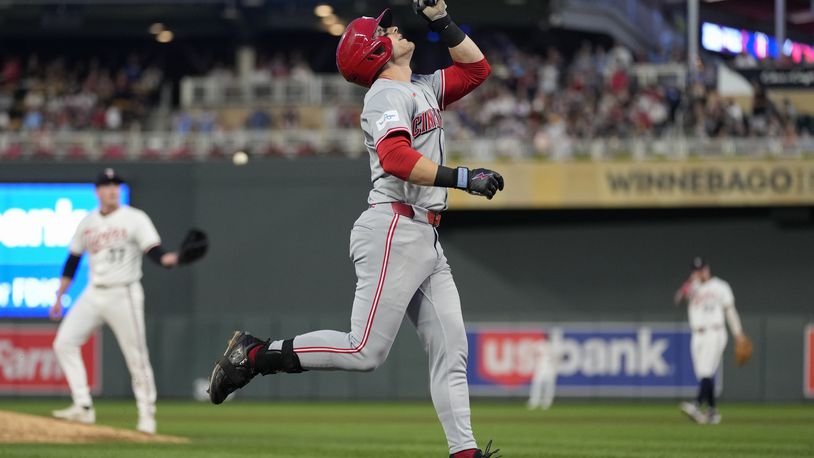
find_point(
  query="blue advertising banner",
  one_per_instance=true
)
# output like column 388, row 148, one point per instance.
column 593, row 359
column 37, row 222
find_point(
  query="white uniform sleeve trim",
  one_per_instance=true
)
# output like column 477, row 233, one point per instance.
column 146, row 250
column 390, row 131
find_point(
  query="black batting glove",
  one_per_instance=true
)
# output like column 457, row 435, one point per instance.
column 435, row 13
column 480, row 182
column 483, row 182
column 430, row 10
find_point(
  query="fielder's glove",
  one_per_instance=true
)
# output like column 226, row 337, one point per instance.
column 430, row 10
column 743, row 350
column 193, row 247
column 484, row 182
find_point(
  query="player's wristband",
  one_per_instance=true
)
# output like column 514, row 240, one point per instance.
column 447, row 177
column 449, row 32
column 70, row 266
column 156, row 253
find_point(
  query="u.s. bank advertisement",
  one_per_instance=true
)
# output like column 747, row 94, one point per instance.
column 592, row 359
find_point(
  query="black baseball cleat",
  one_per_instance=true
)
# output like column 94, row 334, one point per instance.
column 487, row 453
column 232, row 371
column 479, row 453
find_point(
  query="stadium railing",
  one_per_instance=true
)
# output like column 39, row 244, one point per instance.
column 350, row 143
column 218, row 91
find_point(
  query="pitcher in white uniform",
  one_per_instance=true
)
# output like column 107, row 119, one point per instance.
column 394, row 245
column 115, row 237
column 710, row 302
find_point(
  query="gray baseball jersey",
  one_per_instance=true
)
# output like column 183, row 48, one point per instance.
column 414, row 107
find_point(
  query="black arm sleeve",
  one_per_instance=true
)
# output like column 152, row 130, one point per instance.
column 155, row 254
column 449, row 32
column 70, row 265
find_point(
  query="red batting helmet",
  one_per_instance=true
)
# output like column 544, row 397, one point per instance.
column 361, row 54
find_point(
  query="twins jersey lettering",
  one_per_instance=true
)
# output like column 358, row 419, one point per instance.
column 115, row 244
column 414, row 108
column 708, row 303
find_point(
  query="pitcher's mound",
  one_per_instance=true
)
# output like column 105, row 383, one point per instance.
column 27, row 429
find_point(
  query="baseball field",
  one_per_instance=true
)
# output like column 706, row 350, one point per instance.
column 360, row 430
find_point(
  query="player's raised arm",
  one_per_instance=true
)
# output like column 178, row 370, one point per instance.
column 469, row 66
column 683, row 293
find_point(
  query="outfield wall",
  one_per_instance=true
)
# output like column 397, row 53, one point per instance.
column 279, row 265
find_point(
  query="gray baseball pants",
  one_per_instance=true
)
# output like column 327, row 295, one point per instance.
column 401, row 269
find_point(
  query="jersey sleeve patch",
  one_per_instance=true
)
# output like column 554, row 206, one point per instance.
column 390, row 116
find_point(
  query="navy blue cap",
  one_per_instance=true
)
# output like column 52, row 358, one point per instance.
column 698, row 263
column 108, row 176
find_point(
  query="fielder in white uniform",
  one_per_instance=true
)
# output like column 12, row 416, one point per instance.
column 710, row 302
column 115, row 238
column 544, row 381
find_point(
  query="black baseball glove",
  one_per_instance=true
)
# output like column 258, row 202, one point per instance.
column 193, row 247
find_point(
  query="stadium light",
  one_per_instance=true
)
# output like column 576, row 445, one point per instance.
column 336, row 29
column 156, row 28
column 330, row 19
column 323, row 10
column 165, row 36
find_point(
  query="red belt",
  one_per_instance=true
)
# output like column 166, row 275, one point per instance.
column 399, row 208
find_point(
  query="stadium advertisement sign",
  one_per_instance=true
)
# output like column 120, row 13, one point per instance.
column 808, row 363
column 28, row 364
column 632, row 184
column 595, row 359
column 802, row 78
column 37, row 222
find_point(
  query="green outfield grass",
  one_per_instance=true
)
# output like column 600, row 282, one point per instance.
column 402, row 430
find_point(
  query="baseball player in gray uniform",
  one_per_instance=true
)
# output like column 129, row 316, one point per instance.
column 710, row 302
column 115, row 238
column 394, row 245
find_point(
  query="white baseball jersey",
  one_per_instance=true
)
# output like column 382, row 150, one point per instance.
column 414, row 108
column 115, row 244
column 708, row 303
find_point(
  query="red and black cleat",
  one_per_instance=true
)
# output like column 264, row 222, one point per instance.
column 478, row 453
column 232, row 371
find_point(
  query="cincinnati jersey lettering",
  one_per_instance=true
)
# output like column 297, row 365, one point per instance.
column 427, row 122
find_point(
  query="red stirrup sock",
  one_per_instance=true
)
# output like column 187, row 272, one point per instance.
column 253, row 354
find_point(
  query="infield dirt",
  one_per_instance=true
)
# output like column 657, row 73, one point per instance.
column 20, row 428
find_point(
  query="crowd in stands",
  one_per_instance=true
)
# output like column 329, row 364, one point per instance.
column 552, row 101
column 57, row 94
column 542, row 98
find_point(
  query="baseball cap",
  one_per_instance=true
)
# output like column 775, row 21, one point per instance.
column 698, row 263
column 108, row 176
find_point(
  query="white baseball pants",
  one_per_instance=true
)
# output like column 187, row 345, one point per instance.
column 122, row 308
column 707, row 348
